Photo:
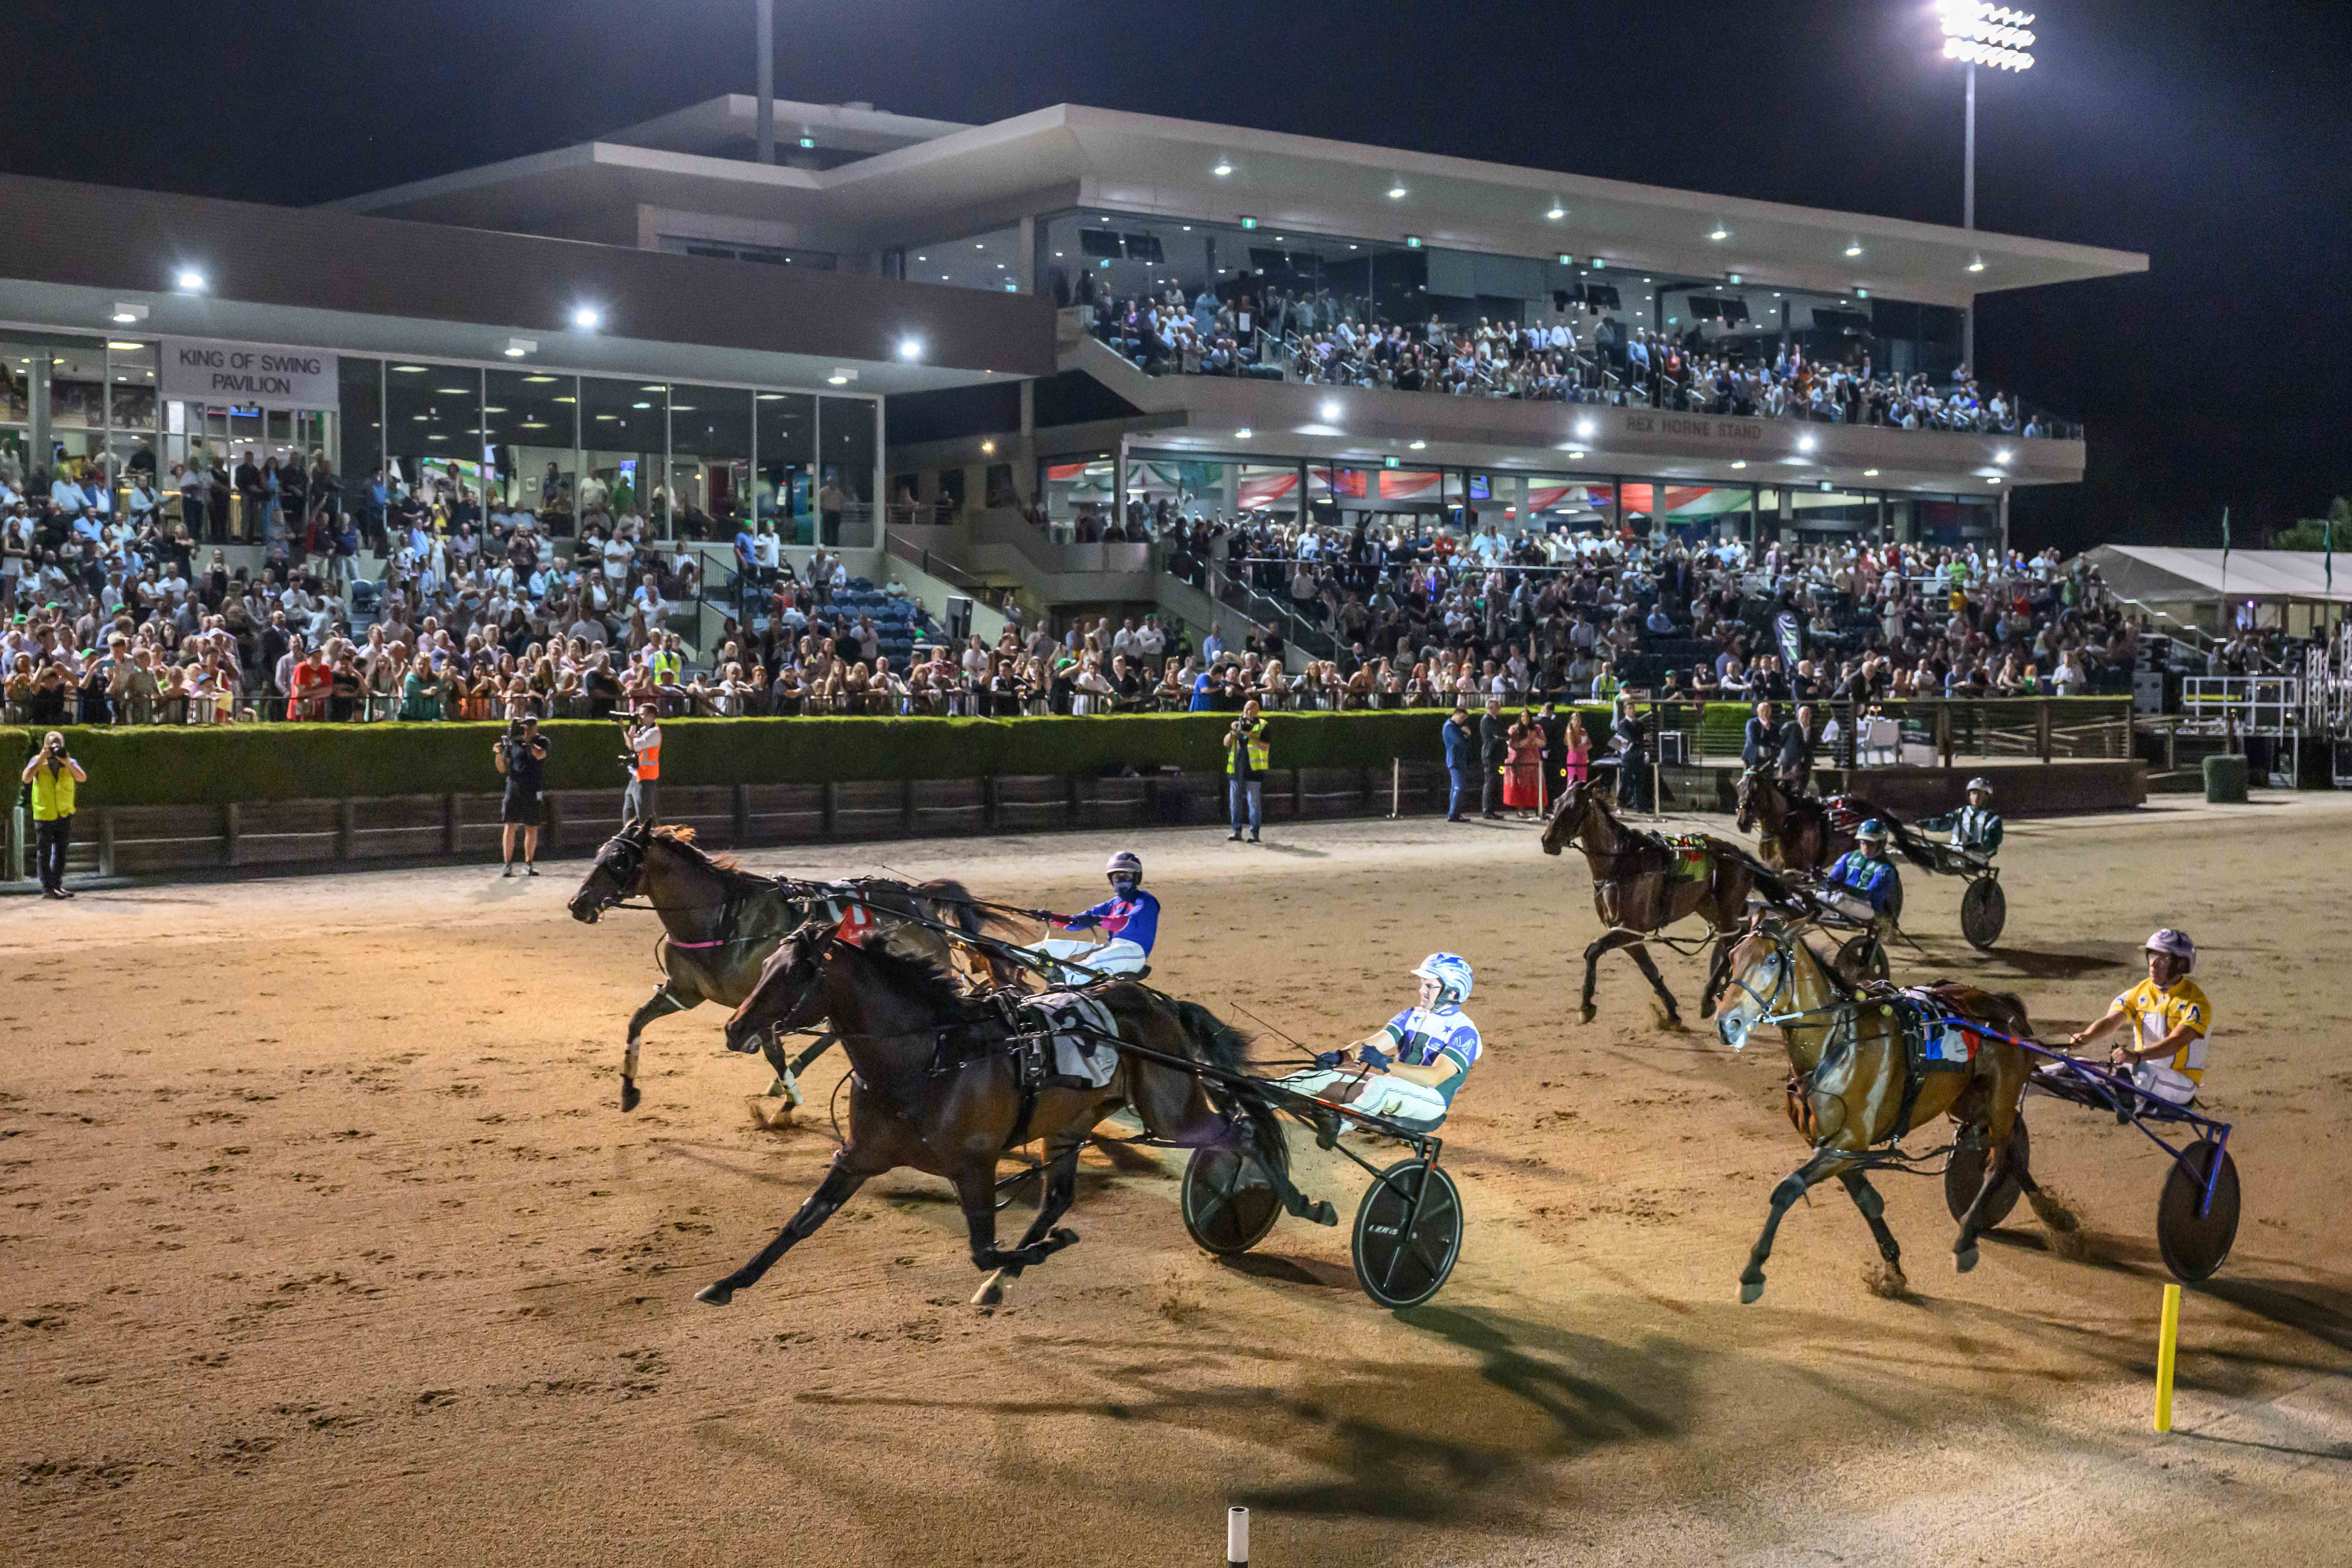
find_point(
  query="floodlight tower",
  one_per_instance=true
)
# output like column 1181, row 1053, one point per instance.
column 1976, row 33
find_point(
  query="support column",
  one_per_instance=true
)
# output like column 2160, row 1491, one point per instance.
column 2004, row 522
column 1025, row 255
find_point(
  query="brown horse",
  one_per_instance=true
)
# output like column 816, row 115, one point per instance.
column 1642, row 884
column 721, row 923
column 1796, row 833
column 1854, row 1083
column 934, row 1088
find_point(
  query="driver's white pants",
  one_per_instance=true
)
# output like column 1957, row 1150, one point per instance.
column 1117, row 956
column 1416, row 1104
column 2156, row 1078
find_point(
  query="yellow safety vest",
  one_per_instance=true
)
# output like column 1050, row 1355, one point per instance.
column 52, row 794
column 1261, row 756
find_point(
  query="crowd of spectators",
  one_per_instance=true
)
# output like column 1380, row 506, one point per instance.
column 1325, row 338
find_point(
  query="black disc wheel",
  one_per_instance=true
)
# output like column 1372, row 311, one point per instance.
column 1964, row 1173
column 1984, row 910
column 2195, row 1244
column 1862, row 958
column 1229, row 1200
column 1404, row 1249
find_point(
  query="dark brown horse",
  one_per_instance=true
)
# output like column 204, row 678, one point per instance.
column 1642, row 885
column 721, row 923
column 934, row 1088
column 1796, row 832
column 1852, row 1085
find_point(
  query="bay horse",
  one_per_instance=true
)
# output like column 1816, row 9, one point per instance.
column 721, row 923
column 934, row 1088
column 1856, row 1082
column 1637, row 890
column 1796, row 832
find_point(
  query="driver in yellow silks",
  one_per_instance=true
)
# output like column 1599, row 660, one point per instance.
column 2169, row 1017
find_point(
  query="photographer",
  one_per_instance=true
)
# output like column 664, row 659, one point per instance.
column 641, row 732
column 53, row 775
column 521, row 756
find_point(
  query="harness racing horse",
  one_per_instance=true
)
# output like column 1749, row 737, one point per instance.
column 1642, row 884
column 934, row 1088
column 1860, row 1076
column 1796, row 833
column 721, row 923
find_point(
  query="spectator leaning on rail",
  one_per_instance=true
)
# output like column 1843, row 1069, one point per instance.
column 1247, row 758
column 522, row 756
column 53, row 773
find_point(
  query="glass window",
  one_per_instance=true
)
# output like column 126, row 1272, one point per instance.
column 625, row 441
column 711, row 458
column 990, row 260
column 432, row 431
column 16, row 382
column 847, row 455
column 1077, row 493
column 131, row 385
column 77, row 387
column 530, row 422
column 786, row 426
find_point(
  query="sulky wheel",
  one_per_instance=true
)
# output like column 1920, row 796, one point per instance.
column 1862, row 958
column 1228, row 1200
column 1964, row 1173
column 1395, row 1268
column 1984, row 910
column 2193, row 1246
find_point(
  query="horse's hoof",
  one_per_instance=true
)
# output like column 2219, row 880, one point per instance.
column 1586, row 1014
column 629, row 1095
column 1964, row 1258
column 1751, row 1291
column 1061, row 1236
column 1672, row 1021
column 990, row 1294
column 717, row 1295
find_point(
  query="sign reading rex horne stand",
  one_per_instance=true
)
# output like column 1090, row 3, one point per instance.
column 205, row 370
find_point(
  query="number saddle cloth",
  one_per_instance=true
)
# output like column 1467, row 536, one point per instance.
column 1688, row 854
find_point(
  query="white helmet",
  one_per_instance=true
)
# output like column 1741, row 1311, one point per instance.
column 1126, row 863
column 1452, row 973
column 2175, row 943
column 1980, row 783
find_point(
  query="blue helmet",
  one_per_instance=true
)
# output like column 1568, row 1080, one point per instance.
column 1452, row 973
column 1874, row 828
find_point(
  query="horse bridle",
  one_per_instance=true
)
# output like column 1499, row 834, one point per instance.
column 629, row 869
column 1786, row 944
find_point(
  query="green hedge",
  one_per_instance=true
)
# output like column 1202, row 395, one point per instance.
column 168, row 766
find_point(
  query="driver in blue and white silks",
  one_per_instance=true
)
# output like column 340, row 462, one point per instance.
column 1128, row 920
column 1863, row 876
column 1410, row 1068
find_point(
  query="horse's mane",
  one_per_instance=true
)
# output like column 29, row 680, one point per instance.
column 681, row 838
column 915, row 972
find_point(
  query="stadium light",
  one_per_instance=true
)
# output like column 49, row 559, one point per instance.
column 1976, row 33
column 587, row 318
column 189, row 281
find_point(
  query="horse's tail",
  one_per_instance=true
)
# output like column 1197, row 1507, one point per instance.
column 956, row 905
column 1775, row 887
column 1918, row 850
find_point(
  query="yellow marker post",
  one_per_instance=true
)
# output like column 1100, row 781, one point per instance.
column 2168, row 1340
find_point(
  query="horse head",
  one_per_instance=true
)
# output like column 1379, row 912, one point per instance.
column 617, row 873
column 790, row 993
column 1751, row 798
column 1569, row 818
column 1758, row 968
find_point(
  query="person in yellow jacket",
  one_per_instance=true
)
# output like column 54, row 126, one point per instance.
column 1247, row 760
column 53, row 775
column 2168, row 1019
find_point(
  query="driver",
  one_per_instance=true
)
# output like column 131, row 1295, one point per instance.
column 2169, row 1017
column 1128, row 920
column 1865, row 872
column 1411, row 1067
column 1974, row 827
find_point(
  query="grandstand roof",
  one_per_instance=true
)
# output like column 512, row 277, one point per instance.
column 897, row 179
column 2159, row 575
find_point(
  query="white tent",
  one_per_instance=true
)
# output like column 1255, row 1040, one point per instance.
column 2159, row 575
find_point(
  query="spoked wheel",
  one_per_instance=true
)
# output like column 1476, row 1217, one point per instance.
column 1862, row 958
column 1229, row 1200
column 1400, row 1267
column 1984, row 910
column 2195, row 1245
column 1964, row 1173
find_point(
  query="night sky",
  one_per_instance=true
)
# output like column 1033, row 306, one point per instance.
column 2217, row 138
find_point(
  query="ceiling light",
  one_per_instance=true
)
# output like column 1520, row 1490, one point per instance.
column 1584, row 428
column 1558, row 212
column 408, row 369
column 517, row 347
column 455, row 391
column 1738, row 462
column 978, row 246
column 1223, row 169
column 1576, row 456
column 1976, row 264
column 126, row 312
column 1853, row 248
column 1417, row 446
column 189, row 278
column 1330, row 413
column 988, row 449
column 836, row 380
column 1994, row 479
column 123, row 347
column 494, row 411
column 1870, row 473
column 1243, row 434
column 537, row 380
column 1396, row 193
column 910, row 348
column 1806, row 443
column 641, row 405
column 587, row 318
column 2002, row 456
column 842, row 372
column 1718, row 234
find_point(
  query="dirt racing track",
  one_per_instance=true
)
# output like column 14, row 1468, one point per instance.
column 321, row 1239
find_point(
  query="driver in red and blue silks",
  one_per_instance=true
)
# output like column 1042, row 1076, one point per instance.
column 1129, row 921
column 1864, row 872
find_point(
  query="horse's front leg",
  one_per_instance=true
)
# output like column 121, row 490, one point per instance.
column 1718, row 974
column 976, row 1190
column 1873, row 1213
column 1607, row 941
column 1061, row 1189
column 660, row 1004
column 1825, row 1164
column 835, row 1190
column 1649, row 967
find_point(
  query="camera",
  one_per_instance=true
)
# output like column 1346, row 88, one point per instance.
column 514, row 729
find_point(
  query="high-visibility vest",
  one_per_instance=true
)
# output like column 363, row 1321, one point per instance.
column 1261, row 756
column 649, row 758
column 52, row 794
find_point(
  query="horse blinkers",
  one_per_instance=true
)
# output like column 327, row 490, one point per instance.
column 623, row 858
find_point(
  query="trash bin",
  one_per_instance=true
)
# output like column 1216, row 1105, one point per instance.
column 2225, row 780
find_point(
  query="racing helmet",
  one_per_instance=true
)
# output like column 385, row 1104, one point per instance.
column 1126, row 863
column 1872, row 829
column 1452, row 973
column 2175, row 943
column 1980, row 783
